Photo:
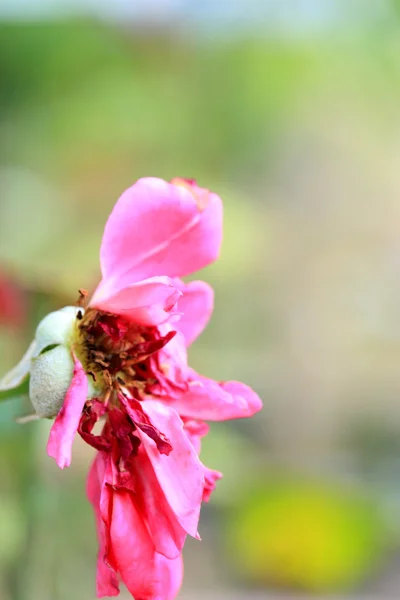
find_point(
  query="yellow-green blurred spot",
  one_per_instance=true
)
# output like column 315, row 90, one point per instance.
column 306, row 536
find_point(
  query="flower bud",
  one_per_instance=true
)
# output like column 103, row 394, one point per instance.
column 56, row 328
column 50, row 377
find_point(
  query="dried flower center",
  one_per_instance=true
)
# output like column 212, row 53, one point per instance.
column 115, row 351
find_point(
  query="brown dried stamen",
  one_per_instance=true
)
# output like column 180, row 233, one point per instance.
column 115, row 352
column 82, row 299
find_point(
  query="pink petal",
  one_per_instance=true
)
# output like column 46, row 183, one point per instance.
column 66, row 423
column 167, row 534
column 210, row 477
column 212, row 401
column 132, row 547
column 94, row 482
column 147, row 302
column 196, row 430
column 138, row 416
column 196, row 306
column 170, row 365
column 106, row 579
column 180, row 474
column 158, row 228
column 169, row 576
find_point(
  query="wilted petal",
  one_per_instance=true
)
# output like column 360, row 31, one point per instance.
column 66, row 423
column 209, row 400
column 123, row 529
column 170, row 365
column 147, row 302
column 196, row 306
column 158, row 228
column 92, row 413
column 169, row 576
column 106, row 579
column 167, row 534
column 132, row 547
column 139, row 417
column 195, row 431
column 210, row 479
column 180, row 474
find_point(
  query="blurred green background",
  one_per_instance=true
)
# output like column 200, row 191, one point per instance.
column 290, row 111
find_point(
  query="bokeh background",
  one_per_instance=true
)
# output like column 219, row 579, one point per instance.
column 290, row 111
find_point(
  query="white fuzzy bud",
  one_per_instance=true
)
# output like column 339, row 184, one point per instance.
column 50, row 377
column 49, row 362
column 57, row 328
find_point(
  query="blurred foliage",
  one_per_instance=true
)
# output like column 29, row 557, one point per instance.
column 98, row 106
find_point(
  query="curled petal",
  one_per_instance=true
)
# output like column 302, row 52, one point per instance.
column 180, row 474
column 196, row 306
column 159, row 228
column 209, row 400
column 195, row 431
column 139, row 417
column 66, row 423
column 210, row 479
column 145, row 349
column 92, row 413
column 147, row 302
